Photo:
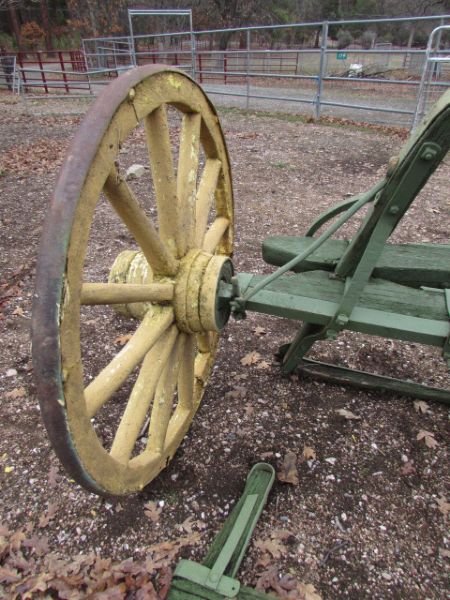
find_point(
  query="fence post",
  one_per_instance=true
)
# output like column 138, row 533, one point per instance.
column 322, row 68
column 41, row 67
column 193, row 51
column 224, row 68
column 63, row 70
column 200, row 69
column 24, row 78
column 247, row 99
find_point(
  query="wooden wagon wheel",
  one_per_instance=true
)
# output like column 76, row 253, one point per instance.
column 171, row 284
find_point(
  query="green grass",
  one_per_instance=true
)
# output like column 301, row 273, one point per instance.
column 308, row 119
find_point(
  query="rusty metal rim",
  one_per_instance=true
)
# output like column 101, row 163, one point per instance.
column 50, row 272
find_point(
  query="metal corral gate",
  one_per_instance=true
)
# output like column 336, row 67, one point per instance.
column 249, row 75
column 436, row 69
column 260, row 70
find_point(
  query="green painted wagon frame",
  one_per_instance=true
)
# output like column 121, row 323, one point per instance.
column 182, row 286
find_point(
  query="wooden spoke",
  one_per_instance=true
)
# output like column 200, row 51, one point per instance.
column 114, row 374
column 163, row 401
column 127, row 207
column 187, row 175
column 186, row 393
column 142, row 395
column 215, row 234
column 205, row 197
column 121, row 293
column 203, row 342
column 170, row 217
column 186, row 376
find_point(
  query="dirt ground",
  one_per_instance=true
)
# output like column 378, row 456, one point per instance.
column 368, row 517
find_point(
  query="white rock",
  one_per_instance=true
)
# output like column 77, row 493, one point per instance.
column 11, row 373
column 135, row 171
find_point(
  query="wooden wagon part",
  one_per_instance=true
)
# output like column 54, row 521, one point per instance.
column 215, row 578
column 179, row 282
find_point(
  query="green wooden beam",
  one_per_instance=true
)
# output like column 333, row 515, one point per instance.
column 312, row 300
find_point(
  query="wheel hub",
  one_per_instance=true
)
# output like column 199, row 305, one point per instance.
column 196, row 303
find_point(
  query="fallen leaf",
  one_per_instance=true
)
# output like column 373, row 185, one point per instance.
column 16, row 393
column 9, row 575
column 18, row 311
column 408, row 468
column 263, row 561
column 240, row 376
column 38, row 545
column 259, row 330
column 123, row 339
column 16, row 539
column 444, row 552
column 273, row 547
column 282, row 534
column 308, row 592
column 421, row 407
column 288, row 472
column 428, row 438
column 164, row 581
column 263, row 365
column 309, row 453
column 238, row 392
column 53, row 477
column 266, row 455
column 249, row 410
column 283, row 585
column 48, row 516
column 251, row 358
column 186, row 525
column 347, row 414
column 152, row 511
column 443, row 505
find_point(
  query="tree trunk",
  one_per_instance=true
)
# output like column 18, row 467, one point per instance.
column 412, row 31
column 224, row 39
column 15, row 25
column 317, row 38
column 46, row 23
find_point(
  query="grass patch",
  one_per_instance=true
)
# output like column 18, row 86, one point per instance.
column 336, row 122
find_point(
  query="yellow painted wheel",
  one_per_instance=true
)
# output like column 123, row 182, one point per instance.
column 169, row 280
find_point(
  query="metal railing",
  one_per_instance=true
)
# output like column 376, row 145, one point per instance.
column 436, row 67
column 376, row 84
column 8, row 73
column 292, row 68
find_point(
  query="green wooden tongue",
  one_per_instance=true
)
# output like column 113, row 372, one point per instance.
column 214, row 578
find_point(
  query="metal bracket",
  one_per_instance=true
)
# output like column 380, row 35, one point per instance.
column 192, row 571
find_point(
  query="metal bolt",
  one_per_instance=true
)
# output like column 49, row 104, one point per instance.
column 342, row 320
column 394, row 210
column 131, row 94
column 428, row 154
